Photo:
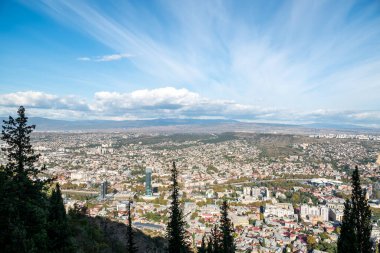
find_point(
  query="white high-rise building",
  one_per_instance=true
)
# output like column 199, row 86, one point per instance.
column 324, row 213
column 256, row 192
column 314, row 212
column 267, row 193
column 304, row 211
column 247, row 191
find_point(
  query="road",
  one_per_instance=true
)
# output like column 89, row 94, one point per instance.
column 80, row 192
column 267, row 180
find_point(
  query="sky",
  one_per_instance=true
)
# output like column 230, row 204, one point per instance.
column 300, row 61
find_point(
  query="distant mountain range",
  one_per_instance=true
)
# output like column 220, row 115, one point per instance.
column 335, row 126
column 44, row 124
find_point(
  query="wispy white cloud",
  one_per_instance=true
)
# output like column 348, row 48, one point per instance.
column 84, row 59
column 111, row 57
column 291, row 55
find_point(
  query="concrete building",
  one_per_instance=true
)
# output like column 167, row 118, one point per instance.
column 247, row 191
column 256, row 193
column 324, row 213
column 280, row 210
column 267, row 194
column 335, row 215
column 314, row 213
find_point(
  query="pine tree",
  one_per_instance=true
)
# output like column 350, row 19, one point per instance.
column 202, row 248
column 22, row 204
column 347, row 240
column 216, row 240
column 176, row 232
column 209, row 245
column 131, row 245
column 58, row 228
column 226, row 228
column 356, row 227
column 362, row 214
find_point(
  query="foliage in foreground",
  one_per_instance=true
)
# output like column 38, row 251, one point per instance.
column 176, row 233
column 221, row 239
column 32, row 220
column 23, row 203
column 356, row 227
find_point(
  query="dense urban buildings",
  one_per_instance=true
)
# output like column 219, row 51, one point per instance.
column 282, row 188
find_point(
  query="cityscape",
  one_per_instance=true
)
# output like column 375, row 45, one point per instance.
column 190, row 126
column 283, row 189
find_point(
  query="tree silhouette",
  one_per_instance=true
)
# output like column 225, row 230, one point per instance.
column 216, row 240
column 356, row 227
column 131, row 245
column 58, row 229
column 347, row 240
column 209, row 246
column 226, row 228
column 202, row 248
column 176, row 232
column 23, row 205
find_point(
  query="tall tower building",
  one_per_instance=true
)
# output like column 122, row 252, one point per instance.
column 267, row 193
column 148, row 182
column 103, row 189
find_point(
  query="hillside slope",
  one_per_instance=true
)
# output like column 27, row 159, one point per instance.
column 101, row 235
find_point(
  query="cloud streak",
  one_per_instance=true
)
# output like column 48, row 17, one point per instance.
column 105, row 58
column 290, row 54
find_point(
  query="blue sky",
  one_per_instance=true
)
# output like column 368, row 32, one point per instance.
column 268, row 61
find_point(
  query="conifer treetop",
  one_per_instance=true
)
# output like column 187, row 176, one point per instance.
column 355, row 236
column 16, row 133
column 176, row 233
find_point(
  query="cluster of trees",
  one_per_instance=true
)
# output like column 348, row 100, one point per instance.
column 300, row 197
column 33, row 218
column 313, row 244
column 221, row 239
